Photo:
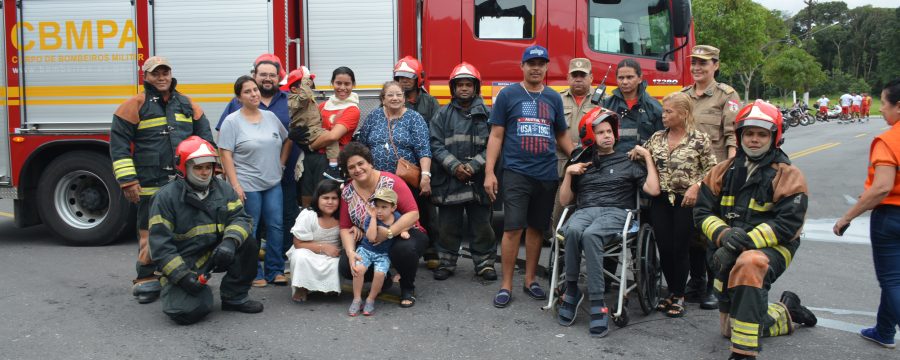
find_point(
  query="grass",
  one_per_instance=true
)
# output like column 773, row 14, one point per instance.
column 874, row 109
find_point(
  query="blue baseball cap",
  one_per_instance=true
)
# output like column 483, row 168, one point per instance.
column 535, row 52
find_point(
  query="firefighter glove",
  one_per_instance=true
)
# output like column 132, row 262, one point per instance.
column 723, row 260
column 737, row 240
column 223, row 256
column 191, row 283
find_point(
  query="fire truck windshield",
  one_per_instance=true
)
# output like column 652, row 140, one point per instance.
column 634, row 27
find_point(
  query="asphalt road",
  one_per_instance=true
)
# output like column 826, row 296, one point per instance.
column 60, row 302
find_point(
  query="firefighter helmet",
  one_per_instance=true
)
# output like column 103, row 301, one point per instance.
column 297, row 75
column 593, row 118
column 410, row 67
column 196, row 149
column 761, row 114
column 465, row 71
column 273, row 58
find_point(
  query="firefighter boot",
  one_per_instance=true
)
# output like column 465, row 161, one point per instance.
column 799, row 313
column 146, row 290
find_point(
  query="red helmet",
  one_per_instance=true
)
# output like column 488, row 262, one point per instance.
column 273, row 58
column 593, row 118
column 465, row 71
column 760, row 114
column 194, row 148
column 410, row 67
column 297, row 75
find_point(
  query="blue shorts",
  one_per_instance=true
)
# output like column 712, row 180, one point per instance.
column 382, row 261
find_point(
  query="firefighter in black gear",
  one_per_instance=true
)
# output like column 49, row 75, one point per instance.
column 198, row 226
column 751, row 209
column 153, row 122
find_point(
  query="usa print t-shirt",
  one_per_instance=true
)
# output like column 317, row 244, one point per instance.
column 531, row 121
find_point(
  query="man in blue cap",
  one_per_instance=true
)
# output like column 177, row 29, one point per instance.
column 528, row 123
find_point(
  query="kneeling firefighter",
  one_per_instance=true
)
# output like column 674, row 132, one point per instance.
column 198, row 226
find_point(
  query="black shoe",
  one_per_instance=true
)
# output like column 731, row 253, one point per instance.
column 249, row 307
column 333, row 173
column 442, row 274
column 799, row 313
column 488, row 274
column 709, row 302
column 736, row 356
column 147, row 297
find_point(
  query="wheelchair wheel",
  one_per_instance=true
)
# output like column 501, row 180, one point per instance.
column 649, row 273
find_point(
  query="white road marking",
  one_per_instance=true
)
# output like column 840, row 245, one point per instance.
column 821, row 230
column 850, row 200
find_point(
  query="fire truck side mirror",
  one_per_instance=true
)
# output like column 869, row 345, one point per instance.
column 681, row 18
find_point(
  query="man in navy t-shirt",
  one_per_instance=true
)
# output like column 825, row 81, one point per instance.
column 527, row 123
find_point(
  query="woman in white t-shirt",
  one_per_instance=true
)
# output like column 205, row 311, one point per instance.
column 254, row 149
column 317, row 244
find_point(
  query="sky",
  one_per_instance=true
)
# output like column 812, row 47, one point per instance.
column 793, row 6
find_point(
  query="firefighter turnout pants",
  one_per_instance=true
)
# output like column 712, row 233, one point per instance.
column 482, row 243
column 185, row 308
column 745, row 313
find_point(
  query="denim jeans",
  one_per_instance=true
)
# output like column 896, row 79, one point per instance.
column 885, row 234
column 268, row 204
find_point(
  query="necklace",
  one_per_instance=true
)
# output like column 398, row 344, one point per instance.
column 533, row 99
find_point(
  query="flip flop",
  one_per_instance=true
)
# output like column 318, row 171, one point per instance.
column 599, row 326
column 568, row 310
column 535, row 291
column 502, row 299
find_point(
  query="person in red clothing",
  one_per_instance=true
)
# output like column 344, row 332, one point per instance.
column 866, row 103
column 340, row 117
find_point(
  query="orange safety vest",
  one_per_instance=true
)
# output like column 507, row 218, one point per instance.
column 891, row 139
column 866, row 101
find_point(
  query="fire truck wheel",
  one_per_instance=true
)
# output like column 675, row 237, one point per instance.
column 79, row 199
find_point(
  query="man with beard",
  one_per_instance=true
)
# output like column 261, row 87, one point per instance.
column 527, row 124
column 153, row 123
column 411, row 76
column 267, row 72
column 198, row 226
column 459, row 134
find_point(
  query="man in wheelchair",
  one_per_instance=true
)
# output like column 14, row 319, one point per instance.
column 751, row 209
column 603, row 185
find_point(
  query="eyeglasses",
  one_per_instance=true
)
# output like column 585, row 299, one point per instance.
column 266, row 75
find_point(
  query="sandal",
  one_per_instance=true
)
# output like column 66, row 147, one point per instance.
column 599, row 326
column 535, row 291
column 569, row 308
column 407, row 295
column 502, row 299
column 676, row 308
column 664, row 304
column 354, row 308
column 369, row 308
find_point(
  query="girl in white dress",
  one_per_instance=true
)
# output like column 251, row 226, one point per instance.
column 317, row 246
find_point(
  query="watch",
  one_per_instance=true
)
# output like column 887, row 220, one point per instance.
column 426, row 173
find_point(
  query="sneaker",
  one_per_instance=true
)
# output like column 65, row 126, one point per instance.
column 442, row 274
column 333, row 173
column 248, row 307
column 799, row 313
column 872, row 335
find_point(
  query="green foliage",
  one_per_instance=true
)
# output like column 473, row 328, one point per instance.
column 736, row 27
column 793, row 69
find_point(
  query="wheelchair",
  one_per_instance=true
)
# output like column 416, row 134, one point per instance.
column 637, row 265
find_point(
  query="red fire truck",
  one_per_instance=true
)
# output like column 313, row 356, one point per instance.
column 70, row 63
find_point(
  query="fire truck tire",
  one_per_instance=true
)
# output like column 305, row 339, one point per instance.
column 80, row 201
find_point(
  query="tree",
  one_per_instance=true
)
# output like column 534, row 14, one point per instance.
column 738, row 29
column 793, row 69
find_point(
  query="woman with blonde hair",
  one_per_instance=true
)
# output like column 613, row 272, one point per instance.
column 683, row 155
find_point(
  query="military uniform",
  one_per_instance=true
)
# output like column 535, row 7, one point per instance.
column 574, row 112
column 154, row 126
column 770, row 205
column 714, row 112
column 184, row 231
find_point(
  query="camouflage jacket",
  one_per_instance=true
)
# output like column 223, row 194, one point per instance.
column 685, row 165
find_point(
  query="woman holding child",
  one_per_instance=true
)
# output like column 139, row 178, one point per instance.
column 358, row 194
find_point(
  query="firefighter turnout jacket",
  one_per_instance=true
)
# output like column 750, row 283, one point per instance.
column 184, row 230
column 154, row 126
column 459, row 136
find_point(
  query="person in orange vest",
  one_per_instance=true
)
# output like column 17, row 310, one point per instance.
column 882, row 194
column 866, row 104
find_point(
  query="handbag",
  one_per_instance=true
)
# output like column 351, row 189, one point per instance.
column 406, row 170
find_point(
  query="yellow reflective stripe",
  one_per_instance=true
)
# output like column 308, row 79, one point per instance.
column 766, row 206
column 239, row 229
column 717, row 284
column 123, row 163
column 710, row 225
column 202, row 260
column 727, row 201
column 745, row 340
column 198, row 230
column 778, row 312
column 172, row 265
column 125, row 172
column 785, row 253
column 234, row 205
column 745, row 327
column 158, row 219
column 768, row 234
column 149, row 123
column 149, row 191
column 757, row 239
column 183, row 118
